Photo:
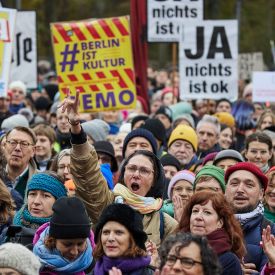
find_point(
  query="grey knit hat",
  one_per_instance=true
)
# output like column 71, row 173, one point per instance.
column 14, row 121
column 19, row 258
column 97, row 129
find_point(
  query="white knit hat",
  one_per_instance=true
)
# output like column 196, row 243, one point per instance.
column 181, row 175
column 19, row 258
column 18, row 84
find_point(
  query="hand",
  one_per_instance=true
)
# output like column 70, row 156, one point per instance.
column 152, row 251
column 165, row 271
column 178, row 207
column 115, row 271
column 249, row 268
column 268, row 244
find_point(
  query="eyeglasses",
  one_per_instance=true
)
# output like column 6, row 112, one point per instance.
column 143, row 171
column 23, row 144
column 185, row 262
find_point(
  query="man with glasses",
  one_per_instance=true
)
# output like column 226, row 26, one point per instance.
column 19, row 152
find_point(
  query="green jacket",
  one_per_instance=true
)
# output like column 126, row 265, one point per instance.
column 168, row 208
column 269, row 215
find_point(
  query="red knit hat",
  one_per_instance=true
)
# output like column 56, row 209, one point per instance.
column 248, row 166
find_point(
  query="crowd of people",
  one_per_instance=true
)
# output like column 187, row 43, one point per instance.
column 170, row 187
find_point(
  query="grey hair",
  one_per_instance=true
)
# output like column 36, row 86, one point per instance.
column 212, row 120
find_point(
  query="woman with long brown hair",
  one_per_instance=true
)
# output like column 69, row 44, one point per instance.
column 208, row 214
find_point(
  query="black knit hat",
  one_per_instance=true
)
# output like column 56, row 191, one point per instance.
column 139, row 132
column 165, row 111
column 70, row 219
column 42, row 103
column 156, row 128
column 126, row 216
column 137, row 119
column 168, row 159
column 106, row 147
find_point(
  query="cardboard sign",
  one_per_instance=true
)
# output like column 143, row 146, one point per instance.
column 24, row 60
column 95, row 57
column 165, row 18
column 263, row 86
column 208, row 55
column 7, row 18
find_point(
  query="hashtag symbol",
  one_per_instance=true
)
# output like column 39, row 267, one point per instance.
column 69, row 57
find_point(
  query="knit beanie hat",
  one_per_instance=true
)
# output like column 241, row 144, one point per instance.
column 248, row 166
column 14, row 121
column 181, row 175
column 228, row 154
column 180, row 109
column 186, row 117
column 213, row 171
column 156, row 127
column 42, row 103
column 165, row 111
column 126, row 216
column 168, row 159
column 70, row 219
column 18, row 84
column 225, row 118
column 139, row 132
column 138, row 118
column 97, row 129
column 47, row 183
column 19, row 258
column 27, row 113
column 209, row 157
column 184, row 132
column 106, row 147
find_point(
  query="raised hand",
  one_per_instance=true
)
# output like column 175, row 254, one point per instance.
column 178, row 207
column 268, row 243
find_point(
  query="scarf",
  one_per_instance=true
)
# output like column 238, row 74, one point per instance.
column 24, row 218
column 144, row 205
column 265, row 168
column 219, row 241
column 53, row 260
column 243, row 218
column 104, row 264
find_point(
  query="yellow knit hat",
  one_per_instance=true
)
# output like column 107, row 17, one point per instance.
column 225, row 118
column 184, row 132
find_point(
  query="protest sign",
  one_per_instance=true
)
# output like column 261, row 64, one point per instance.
column 166, row 16
column 95, row 57
column 208, row 55
column 7, row 22
column 250, row 62
column 263, row 84
column 24, row 57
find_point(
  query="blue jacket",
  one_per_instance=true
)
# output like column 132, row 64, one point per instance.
column 252, row 231
column 230, row 264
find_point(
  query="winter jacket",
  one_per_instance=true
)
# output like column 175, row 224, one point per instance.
column 141, row 271
column 92, row 189
column 202, row 154
column 252, row 231
column 230, row 264
column 269, row 215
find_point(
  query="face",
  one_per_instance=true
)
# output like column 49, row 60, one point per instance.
column 137, row 143
column 71, row 248
column 270, row 194
column 170, row 171
column 211, row 106
column 211, row 185
column 18, row 156
column 115, row 239
column 17, row 96
column 111, row 116
column 4, row 103
column 63, row 168
column 139, row 175
column 258, row 153
column 164, row 120
column 40, row 203
column 8, row 271
column 226, row 138
column 223, row 106
column 243, row 191
column 43, row 147
column 118, row 145
column 182, row 150
column 155, row 106
column 184, row 189
column 226, row 163
column 207, row 136
column 201, row 108
column 168, row 99
column 204, row 219
column 104, row 158
column 267, row 121
column 190, row 252
column 62, row 122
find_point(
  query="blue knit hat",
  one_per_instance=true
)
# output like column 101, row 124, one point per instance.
column 47, row 183
column 140, row 132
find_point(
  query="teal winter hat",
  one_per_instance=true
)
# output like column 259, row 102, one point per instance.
column 180, row 108
column 47, row 183
column 213, row 171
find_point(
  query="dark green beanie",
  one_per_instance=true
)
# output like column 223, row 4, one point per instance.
column 213, row 171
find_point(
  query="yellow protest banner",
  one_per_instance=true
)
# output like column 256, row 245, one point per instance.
column 95, row 57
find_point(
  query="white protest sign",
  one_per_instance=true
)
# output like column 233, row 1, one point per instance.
column 166, row 16
column 7, row 17
column 24, row 61
column 208, row 53
column 250, row 62
column 263, row 84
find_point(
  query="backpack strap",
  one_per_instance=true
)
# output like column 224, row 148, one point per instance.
column 161, row 225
